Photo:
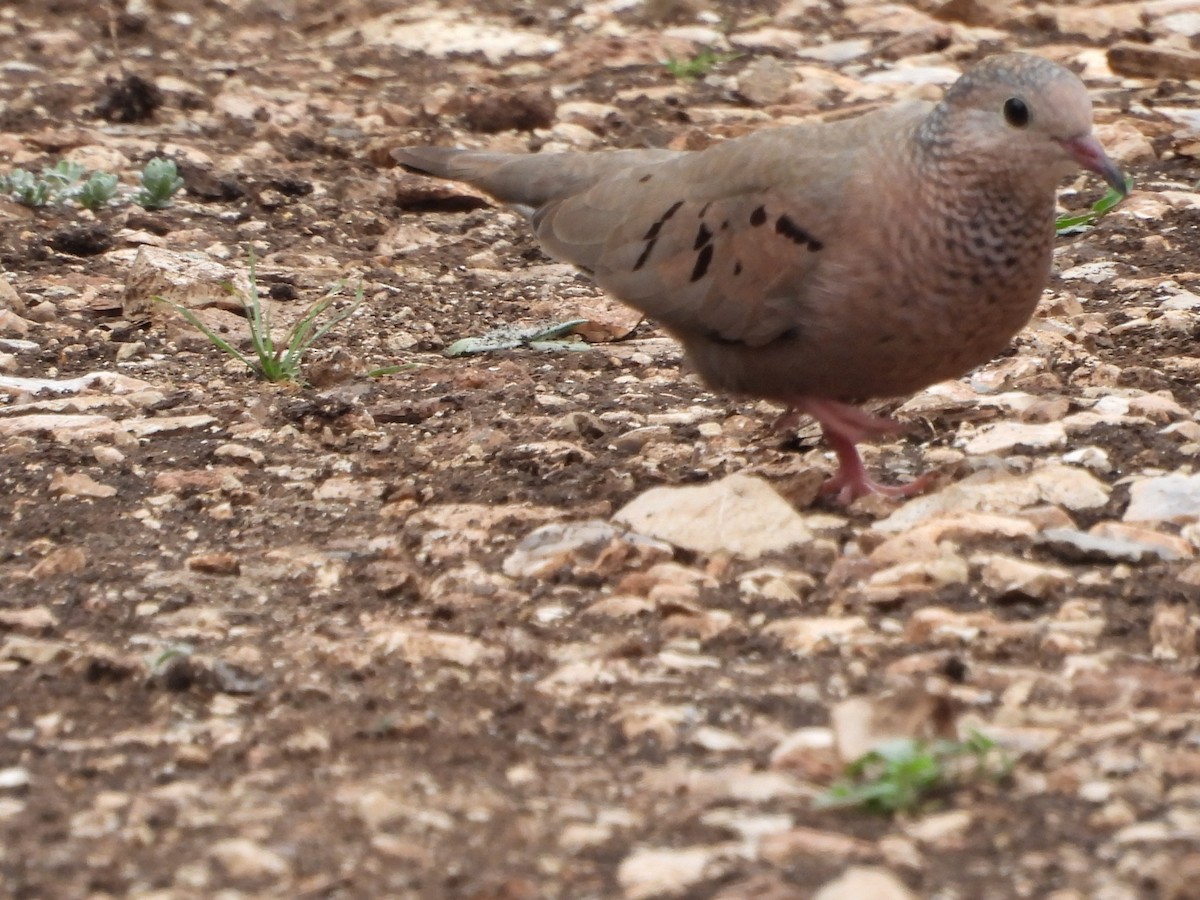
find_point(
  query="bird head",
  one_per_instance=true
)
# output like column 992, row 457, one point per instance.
column 1022, row 115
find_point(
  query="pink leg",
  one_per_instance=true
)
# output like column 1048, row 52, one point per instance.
column 844, row 427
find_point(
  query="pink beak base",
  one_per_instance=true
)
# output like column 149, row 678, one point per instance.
column 1086, row 150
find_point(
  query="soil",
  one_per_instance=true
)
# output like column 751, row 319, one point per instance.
column 238, row 643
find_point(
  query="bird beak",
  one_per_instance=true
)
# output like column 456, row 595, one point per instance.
column 1086, row 150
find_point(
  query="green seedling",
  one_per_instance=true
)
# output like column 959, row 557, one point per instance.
column 1074, row 223
column 160, row 182
column 699, row 65
column 901, row 775
column 64, row 177
column 272, row 362
column 26, row 188
column 97, row 191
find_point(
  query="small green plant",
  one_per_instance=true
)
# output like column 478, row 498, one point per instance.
column 699, row 65
column 1073, row 223
column 900, row 775
column 160, row 182
column 69, row 182
column 271, row 362
column 26, row 188
column 97, row 191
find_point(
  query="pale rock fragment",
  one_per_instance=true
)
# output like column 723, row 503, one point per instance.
column 808, row 635
column 652, row 872
column 739, row 514
column 945, row 831
column 80, row 484
column 1002, row 437
column 862, row 882
column 1164, row 498
column 592, row 545
column 1006, row 575
column 792, row 847
column 246, row 860
column 776, row 585
column 999, row 492
column 1173, row 633
column 1167, row 547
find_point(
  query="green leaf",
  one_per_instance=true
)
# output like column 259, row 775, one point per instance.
column 1075, row 223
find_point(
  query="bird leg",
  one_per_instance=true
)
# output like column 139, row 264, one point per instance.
column 844, row 427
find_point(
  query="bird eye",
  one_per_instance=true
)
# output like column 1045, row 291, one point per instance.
column 1016, row 113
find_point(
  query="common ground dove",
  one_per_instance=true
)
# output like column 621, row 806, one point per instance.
column 820, row 265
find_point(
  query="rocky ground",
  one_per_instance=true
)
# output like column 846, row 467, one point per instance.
column 471, row 628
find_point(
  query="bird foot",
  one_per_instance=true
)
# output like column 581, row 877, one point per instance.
column 848, row 486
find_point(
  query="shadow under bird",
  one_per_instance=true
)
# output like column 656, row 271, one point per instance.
column 822, row 265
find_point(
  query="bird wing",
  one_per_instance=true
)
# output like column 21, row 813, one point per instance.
column 723, row 243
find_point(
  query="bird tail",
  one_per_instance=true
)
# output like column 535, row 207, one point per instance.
column 529, row 180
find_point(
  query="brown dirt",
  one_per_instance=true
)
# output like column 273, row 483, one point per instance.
column 373, row 773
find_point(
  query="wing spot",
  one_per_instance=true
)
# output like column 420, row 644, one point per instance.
column 797, row 235
column 641, row 260
column 703, row 210
column 703, row 236
column 644, row 179
column 758, row 216
column 737, row 267
column 703, row 258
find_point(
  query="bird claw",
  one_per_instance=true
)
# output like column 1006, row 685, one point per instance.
column 849, row 487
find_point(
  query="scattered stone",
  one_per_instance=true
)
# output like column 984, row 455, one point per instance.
column 215, row 563
column 803, row 635
column 247, row 860
column 999, row 492
column 80, row 484
column 765, row 81
column 943, row 832
column 1072, row 545
column 1007, row 576
column 1167, row 547
column 59, row 561
column 1173, row 633
column 651, row 873
column 798, row 844
column 1005, row 436
column 1164, row 498
column 859, row 883
column 1153, row 61
column 739, row 514
column 34, row 620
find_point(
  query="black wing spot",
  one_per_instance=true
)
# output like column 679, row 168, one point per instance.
column 758, row 216
column 703, row 210
column 641, row 260
column 703, row 236
column 737, row 267
column 702, row 261
column 644, row 179
column 796, row 234
column 651, row 234
column 725, row 225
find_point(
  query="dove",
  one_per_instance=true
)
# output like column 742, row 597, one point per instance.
column 825, row 264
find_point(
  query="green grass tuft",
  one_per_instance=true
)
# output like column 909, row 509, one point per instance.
column 271, row 362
